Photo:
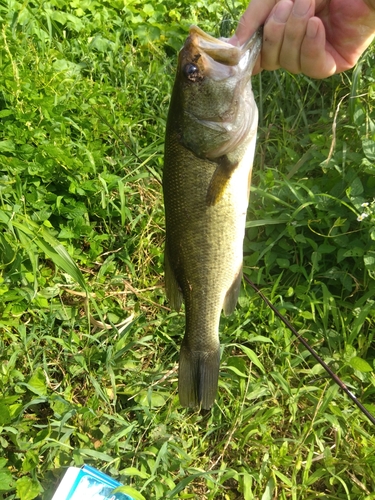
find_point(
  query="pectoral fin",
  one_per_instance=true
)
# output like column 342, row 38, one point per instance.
column 172, row 290
column 219, row 180
column 231, row 297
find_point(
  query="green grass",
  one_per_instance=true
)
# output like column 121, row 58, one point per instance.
column 88, row 344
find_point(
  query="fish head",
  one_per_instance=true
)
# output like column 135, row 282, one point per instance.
column 214, row 98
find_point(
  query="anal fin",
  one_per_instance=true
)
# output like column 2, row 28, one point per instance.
column 172, row 290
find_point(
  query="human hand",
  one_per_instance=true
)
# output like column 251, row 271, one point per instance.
column 314, row 37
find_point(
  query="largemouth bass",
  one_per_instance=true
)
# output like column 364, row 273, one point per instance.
column 209, row 150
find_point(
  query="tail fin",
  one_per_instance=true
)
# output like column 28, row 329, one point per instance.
column 198, row 377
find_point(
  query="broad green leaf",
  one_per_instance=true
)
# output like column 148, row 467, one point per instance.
column 238, row 364
column 356, row 187
column 265, row 222
column 151, row 399
column 98, row 455
column 370, row 407
column 128, row 490
column 283, row 263
column 369, row 260
column 37, row 382
column 257, row 393
column 358, row 323
column 283, row 478
column 260, row 338
column 328, row 396
column 27, row 488
column 7, row 146
column 368, row 146
column 5, row 112
column 252, row 356
column 6, row 481
column 282, row 382
column 360, row 364
column 133, row 471
column 4, row 217
column 326, row 248
column 306, row 315
column 354, row 252
column 316, row 476
column 30, row 462
column 247, row 486
column 268, row 492
column 5, row 417
column 236, row 371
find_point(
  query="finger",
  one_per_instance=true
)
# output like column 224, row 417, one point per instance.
column 257, row 67
column 273, row 34
column 316, row 60
column 253, row 17
column 294, row 35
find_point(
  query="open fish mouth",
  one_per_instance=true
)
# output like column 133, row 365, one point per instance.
column 222, row 51
column 218, row 58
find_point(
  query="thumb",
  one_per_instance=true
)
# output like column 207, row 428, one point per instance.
column 253, row 17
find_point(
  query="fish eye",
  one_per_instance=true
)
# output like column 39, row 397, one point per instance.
column 191, row 72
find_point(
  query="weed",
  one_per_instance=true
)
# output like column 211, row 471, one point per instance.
column 88, row 344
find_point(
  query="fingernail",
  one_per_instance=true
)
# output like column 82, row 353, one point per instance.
column 301, row 7
column 312, row 29
column 282, row 12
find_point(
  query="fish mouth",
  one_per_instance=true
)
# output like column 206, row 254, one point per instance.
column 220, row 51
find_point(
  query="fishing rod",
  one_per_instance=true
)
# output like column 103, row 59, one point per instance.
column 330, row 372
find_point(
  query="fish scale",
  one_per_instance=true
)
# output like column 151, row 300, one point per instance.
column 206, row 180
